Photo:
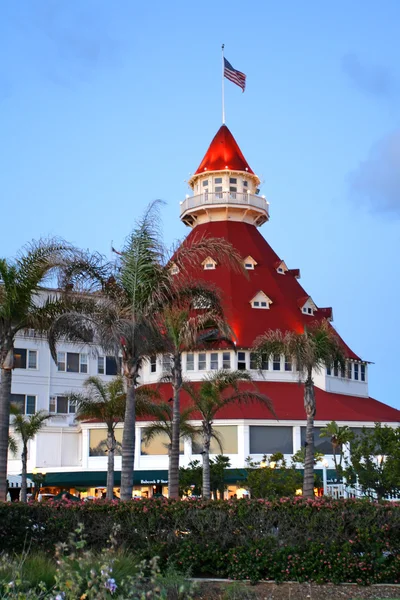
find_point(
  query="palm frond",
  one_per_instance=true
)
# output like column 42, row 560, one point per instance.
column 12, row 445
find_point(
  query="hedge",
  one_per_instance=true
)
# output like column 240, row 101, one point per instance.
column 289, row 539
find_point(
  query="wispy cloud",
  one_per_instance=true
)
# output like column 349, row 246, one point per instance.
column 375, row 80
column 376, row 181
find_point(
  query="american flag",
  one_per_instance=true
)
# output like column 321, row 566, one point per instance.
column 234, row 76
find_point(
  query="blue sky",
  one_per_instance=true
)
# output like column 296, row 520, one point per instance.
column 106, row 106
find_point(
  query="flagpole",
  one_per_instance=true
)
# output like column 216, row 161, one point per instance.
column 223, row 86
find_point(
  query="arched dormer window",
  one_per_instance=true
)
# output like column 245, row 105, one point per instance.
column 261, row 300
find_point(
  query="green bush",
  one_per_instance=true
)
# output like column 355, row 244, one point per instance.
column 287, row 539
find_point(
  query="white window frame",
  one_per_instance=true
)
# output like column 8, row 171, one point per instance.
column 65, row 361
column 190, row 361
column 202, row 362
column 211, row 361
column 101, row 370
column 288, row 361
column 226, row 358
column 274, row 361
column 62, row 361
column 83, row 362
column 242, row 361
column 54, row 402
column 153, row 364
column 36, row 355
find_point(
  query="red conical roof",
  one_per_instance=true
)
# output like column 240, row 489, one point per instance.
column 223, row 153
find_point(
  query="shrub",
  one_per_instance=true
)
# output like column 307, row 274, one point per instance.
column 290, row 538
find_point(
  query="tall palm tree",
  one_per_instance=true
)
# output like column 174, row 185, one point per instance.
column 27, row 427
column 106, row 403
column 214, row 393
column 184, row 329
column 163, row 413
column 23, row 304
column 317, row 347
column 338, row 435
column 125, row 318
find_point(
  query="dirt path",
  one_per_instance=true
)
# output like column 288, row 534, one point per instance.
column 294, row 591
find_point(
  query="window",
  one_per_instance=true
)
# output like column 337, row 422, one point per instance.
column 249, row 266
column 336, row 370
column 190, row 362
column 226, row 360
column 60, row 405
column 72, row 362
column 83, row 363
column 153, row 364
column 320, row 444
column 280, row 270
column 166, row 362
column 256, row 304
column 263, row 304
column 233, row 190
column 25, row 359
column 202, row 361
column 233, row 180
column 329, row 370
column 245, row 183
column 309, row 311
column 209, row 263
column 276, row 362
column 26, row 404
column 255, row 362
column 356, row 369
column 100, row 365
column 61, row 361
column 158, row 446
column 218, row 180
column 98, row 442
column 362, row 372
column 229, row 441
column 218, row 188
column 266, row 439
column 260, row 300
column 209, row 266
column 241, row 361
column 205, row 182
column 288, row 363
column 214, row 361
column 348, row 370
column 218, row 191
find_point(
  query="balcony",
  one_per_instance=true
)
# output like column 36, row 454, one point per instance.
column 239, row 202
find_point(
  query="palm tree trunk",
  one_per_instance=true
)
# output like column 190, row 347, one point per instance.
column 5, row 394
column 110, row 465
column 128, row 442
column 206, row 467
column 173, row 483
column 309, row 405
column 24, row 459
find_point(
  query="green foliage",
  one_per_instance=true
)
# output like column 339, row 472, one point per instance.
column 339, row 436
column 375, row 461
column 320, row 540
column 272, row 478
column 84, row 574
column 191, row 479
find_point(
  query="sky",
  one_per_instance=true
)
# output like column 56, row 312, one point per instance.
column 106, row 106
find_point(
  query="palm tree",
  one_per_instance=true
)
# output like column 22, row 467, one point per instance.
column 106, row 403
column 27, row 427
column 214, row 393
column 163, row 412
column 24, row 305
column 338, row 436
column 183, row 331
column 317, row 347
column 125, row 320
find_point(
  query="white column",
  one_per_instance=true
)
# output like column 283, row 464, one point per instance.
column 243, row 444
column 85, row 449
column 296, row 439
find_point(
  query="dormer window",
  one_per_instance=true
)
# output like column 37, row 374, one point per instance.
column 261, row 300
column 307, row 306
column 174, row 270
column 209, row 264
column 281, row 267
column 249, row 263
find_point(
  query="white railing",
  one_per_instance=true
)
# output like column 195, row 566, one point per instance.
column 231, row 198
